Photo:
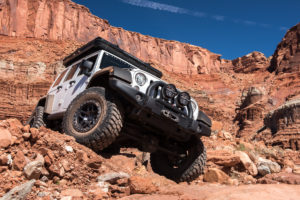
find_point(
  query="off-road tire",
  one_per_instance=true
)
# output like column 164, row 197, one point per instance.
column 37, row 119
column 107, row 127
column 191, row 169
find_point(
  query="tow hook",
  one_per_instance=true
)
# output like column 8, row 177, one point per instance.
column 170, row 115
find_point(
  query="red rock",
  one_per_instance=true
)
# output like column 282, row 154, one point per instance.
column 82, row 156
column 26, row 135
column 26, row 128
column 66, row 165
column 3, row 159
column 47, row 161
column 34, row 134
column 140, row 185
column 54, row 169
column 286, row 58
column 5, row 138
column 76, row 193
column 223, row 158
column 252, row 62
column 215, row 175
column 3, row 168
column 284, row 125
column 94, row 163
column 247, row 163
column 15, row 126
column 19, row 161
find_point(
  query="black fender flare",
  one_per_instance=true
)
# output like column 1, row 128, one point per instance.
column 112, row 71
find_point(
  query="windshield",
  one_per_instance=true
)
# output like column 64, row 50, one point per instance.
column 110, row 60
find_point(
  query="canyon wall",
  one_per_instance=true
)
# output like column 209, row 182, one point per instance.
column 65, row 20
column 34, row 34
column 287, row 55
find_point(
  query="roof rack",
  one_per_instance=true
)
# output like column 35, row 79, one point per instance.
column 102, row 44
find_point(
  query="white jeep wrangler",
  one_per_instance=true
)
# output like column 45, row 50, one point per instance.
column 105, row 93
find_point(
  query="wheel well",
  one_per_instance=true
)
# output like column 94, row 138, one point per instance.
column 101, row 81
column 42, row 102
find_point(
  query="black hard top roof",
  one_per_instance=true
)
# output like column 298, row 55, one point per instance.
column 102, row 44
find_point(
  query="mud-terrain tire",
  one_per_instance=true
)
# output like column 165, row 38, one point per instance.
column 93, row 118
column 190, row 169
column 37, row 119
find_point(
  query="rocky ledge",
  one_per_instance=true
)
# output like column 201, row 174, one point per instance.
column 43, row 164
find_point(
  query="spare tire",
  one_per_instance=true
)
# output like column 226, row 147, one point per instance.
column 93, row 118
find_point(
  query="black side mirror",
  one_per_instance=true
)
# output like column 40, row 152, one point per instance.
column 86, row 67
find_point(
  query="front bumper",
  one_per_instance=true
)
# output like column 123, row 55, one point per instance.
column 159, row 115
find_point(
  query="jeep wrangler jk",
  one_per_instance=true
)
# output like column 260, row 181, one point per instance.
column 105, row 93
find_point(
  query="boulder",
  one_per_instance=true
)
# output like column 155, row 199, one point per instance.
column 263, row 170
column 33, row 170
column 5, row 138
column 247, row 163
column 19, row 161
column 112, row 177
column 215, row 175
column 141, row 185
column 223, row 158
column 273, row 166
column 20, row 192
column 3, row 159
column 74, row 193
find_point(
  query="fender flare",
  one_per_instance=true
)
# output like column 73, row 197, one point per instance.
column 112, row 71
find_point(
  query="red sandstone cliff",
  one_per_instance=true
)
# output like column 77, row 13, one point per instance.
column 37, row 33
column 287, row 55
column 65, row 20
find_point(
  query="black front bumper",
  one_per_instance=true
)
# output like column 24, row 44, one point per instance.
column 161, row 116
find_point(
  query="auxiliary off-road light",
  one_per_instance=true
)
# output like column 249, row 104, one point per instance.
column 183, row 98
column 169, row 91
column 140, row 79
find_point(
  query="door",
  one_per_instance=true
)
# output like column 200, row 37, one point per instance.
column 56, row 93
column 76, row 82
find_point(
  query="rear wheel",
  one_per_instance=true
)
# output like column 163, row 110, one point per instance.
column 187, row 166
column 93, row 118
column 37, row 119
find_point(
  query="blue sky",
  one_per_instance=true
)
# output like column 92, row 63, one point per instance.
column 232, row 28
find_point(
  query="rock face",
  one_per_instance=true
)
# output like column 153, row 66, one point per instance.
column 284, row 124
column 65, row 20
column 250, row 112
column 36, row 34
column 252, row 62
column 287, row 55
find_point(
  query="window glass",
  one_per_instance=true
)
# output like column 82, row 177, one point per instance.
column 60, row 77
column 91, row 59
column 71, row 72
column 109, row 60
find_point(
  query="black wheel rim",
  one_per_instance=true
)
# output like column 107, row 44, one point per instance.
column 87, row 116
column 178, row 161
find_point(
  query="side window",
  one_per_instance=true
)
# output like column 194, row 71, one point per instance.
column 109, row 60
column 60, row 78
column 71, row 72
column 93, row 60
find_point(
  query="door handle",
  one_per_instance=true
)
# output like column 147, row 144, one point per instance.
column 72, row 82
column 59, row 87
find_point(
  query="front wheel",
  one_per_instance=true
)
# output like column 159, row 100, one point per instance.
column 185, row 167
column 93, row 118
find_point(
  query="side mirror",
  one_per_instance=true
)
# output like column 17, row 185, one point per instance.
column 86, row 67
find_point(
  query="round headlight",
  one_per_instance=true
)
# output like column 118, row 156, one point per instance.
column 169, row 91
column 183, row 98
column 140, row 79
